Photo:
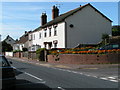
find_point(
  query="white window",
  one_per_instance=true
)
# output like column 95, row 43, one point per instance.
column 45, row 33
column 30, row 37
column 55, row 31
column 39, row 35
column 34, row 36
column 49, row 32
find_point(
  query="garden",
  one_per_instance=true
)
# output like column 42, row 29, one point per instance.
column 83, row 50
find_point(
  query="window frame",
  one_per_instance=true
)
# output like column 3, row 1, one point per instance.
column 55, row 31
column 50, row 32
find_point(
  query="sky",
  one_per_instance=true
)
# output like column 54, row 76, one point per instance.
column 18, row 17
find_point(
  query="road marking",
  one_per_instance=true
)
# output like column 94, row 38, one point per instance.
column 94, row 76
column 80, row 73
column 112, row 77
column 87, row 75
column 69, row 71
column 113, row 80
column 61, row 88
column 28, row 74
column 33, row 76
column 74, row 72
column 103, row 78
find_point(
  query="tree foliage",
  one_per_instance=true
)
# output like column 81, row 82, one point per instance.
column 40, row 54
column 25, row 49
column 116, row 31
column 105, row 36
column 6, row 47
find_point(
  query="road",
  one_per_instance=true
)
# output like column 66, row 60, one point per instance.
column 35, row 77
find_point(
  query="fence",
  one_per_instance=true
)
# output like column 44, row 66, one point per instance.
column 31, row 55
column 27, row 55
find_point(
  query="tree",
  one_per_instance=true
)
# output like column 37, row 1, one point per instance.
column 25, row 49
column 105, row 38
column 6, row 47
column 40, row 54
column 116, row 31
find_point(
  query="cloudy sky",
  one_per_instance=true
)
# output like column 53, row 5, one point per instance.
column 18, row 17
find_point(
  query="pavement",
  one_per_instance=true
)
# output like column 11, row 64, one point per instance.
column 68, row 66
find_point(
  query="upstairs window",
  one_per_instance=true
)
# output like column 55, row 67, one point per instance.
column 34, row 37
column 45, row 33
column 49, row 32
column 55, row 31
column 30, row 37
column 39, row 35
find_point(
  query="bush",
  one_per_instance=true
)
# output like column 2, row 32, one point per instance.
column 6, row 47
column 16, row 51
column 40, row 54
column 25, row 49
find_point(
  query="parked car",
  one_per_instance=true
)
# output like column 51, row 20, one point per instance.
column 110, row 47
column 8, row 75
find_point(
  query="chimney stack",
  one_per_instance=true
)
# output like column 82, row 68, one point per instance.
column 55, row 12
column 43, row 19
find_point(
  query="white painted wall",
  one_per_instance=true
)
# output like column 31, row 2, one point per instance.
column 18, row 47
column 60, row 36
column 88, row 28
column 9, row 54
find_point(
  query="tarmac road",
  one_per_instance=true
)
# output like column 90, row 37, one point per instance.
column 31, row 76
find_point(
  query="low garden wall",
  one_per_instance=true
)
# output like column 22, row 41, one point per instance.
column 25, row 55
column 85, row 58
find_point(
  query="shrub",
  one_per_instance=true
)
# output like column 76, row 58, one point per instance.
column 25, row 49
column 40, row 54
column 16, row 51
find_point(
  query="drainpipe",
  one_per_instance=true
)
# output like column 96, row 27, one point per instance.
column 65, row 34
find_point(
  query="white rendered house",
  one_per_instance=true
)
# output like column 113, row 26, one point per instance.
column 83, row 25
column 22, row 42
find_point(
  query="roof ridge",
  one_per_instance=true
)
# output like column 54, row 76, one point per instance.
column 67, row 14
column 76, row 8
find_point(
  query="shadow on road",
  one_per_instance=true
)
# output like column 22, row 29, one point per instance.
column 17, row 72
column 24, row 84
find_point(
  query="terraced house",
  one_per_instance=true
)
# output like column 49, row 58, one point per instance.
column 83, row 25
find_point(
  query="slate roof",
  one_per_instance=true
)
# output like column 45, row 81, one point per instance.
column 23, row 39
column 62, row 17
column 8, row 38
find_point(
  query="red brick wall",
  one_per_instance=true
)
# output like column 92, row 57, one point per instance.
column 84, row 58
column 25, row 55
column 17, row 54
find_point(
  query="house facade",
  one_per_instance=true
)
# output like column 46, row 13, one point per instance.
column 9, row 40
column 83, row 25
column 22, row 42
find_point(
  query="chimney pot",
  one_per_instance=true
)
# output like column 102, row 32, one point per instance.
column 55, row 12
column 43, row 19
